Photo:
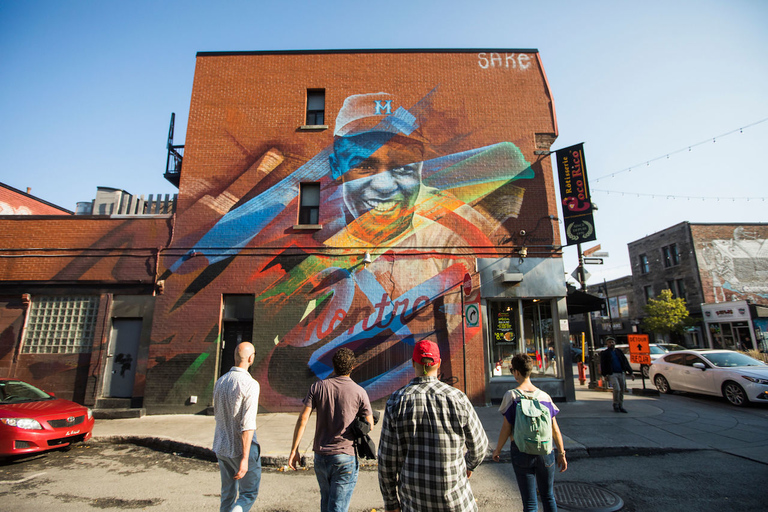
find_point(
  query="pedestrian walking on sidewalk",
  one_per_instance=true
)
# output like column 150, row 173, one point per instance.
column 613, row 366
column 338, row 401
column 235, row 404
column 431, row 441
column 529, row 419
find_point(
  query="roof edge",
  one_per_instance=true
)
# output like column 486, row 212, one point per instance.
column 35, row 198
column 370, row 50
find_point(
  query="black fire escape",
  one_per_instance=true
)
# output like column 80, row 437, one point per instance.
column 175, row 156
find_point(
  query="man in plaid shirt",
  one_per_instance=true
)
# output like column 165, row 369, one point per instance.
column 427, row 427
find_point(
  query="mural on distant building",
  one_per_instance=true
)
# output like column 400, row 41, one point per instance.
column 7, row 209
column 737, row 267
column 390, row 186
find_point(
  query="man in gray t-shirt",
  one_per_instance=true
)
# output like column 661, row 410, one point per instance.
column 338, row 401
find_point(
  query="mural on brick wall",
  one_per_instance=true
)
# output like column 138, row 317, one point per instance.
column 392, row 190
column 737, row 266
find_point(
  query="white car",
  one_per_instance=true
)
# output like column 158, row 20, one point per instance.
column 735, row 376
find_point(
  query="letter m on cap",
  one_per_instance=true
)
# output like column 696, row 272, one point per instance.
column 383, row 107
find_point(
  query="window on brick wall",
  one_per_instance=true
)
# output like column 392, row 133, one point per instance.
column 677, row 287
column 648, row 292
column 309, row 203
column 670, row 255
column 315, row 107
column 61, row 325
column 644, row 266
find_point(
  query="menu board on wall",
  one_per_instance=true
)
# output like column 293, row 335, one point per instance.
column 504, row 328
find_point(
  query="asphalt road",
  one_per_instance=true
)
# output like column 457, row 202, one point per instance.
column 125, row 477
column 106, row 476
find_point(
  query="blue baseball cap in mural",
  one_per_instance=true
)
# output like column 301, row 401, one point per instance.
column 428, row 349
column 374, row 112
column 367, row 123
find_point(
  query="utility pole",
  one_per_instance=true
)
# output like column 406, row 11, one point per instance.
column 588, row 320
column 608, row 305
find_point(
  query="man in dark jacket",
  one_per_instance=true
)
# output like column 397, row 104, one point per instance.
column 613, row 365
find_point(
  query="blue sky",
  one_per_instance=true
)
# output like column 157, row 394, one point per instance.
column 87, row 89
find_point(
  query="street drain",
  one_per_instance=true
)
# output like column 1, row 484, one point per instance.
column 586, row 498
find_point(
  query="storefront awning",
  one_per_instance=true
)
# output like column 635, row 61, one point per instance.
column 582, row 302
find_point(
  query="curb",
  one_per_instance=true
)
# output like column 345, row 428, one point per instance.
column 166, row 445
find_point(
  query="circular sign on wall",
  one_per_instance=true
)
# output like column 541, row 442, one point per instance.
column 472, row 314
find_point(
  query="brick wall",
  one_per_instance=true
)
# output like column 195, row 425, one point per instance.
column 245, row 156
column 16, row 202
column 659, row 275
column 732, row 261
column 34, row 248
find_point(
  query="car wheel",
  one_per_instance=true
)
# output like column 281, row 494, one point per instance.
column 735, row 394
column 661, row 384
column 645, row 370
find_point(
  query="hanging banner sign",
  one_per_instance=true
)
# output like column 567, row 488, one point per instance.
column 575, row 196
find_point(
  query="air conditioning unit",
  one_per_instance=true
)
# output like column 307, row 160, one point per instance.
column 512, row 277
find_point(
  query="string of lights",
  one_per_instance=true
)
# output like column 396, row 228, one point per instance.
column 675, row 196
column 681, row 150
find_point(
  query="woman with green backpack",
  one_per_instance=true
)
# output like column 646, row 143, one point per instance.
column 529, row 418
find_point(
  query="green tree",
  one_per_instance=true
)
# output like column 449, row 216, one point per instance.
column 665, row 314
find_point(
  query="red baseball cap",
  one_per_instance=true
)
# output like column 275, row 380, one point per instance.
column 426, row 348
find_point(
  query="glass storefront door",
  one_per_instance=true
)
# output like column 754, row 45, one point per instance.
column 523, row 326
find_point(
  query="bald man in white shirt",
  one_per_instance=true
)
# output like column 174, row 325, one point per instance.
column 235, row 404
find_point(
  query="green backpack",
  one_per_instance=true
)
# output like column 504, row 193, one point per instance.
column 533, row 425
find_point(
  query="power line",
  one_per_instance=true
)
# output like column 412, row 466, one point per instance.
column 681, row 150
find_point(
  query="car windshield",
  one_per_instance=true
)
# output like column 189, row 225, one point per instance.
column 16, row 391
column 657, row 350
column 731, row 359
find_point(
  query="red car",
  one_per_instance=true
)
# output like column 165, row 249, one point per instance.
column 32, row 420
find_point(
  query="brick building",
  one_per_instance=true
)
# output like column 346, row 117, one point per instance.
column 329, row 199
column 16, row 202
column 616, row 319
column 71, row 288
column 709, row 265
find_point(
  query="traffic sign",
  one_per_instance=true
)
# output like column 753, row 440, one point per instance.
column 591, row 250
column 472, row 315
column 593, row 261
column 575, row 275
column 639, row 351
column 467, row 284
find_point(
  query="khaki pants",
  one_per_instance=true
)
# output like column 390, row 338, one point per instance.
column 619, row 385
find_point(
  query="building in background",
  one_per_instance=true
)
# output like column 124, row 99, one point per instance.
column 338, row 199
column 16, row 202
column 619, row 316
column 361, row 199
column 721, row 270
column 76, row 301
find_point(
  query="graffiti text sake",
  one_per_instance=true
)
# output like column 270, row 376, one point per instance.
column 508, row 60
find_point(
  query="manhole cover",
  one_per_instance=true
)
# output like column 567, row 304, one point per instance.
column 586, row 498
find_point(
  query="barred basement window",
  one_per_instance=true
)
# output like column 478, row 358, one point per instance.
column 61, row 325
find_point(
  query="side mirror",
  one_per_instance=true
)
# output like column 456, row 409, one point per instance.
column 700, row 366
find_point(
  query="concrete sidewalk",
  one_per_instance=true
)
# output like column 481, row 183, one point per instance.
column 589, row 425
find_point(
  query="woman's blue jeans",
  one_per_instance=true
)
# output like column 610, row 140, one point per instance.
column 534, row 471
column 337, row 476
